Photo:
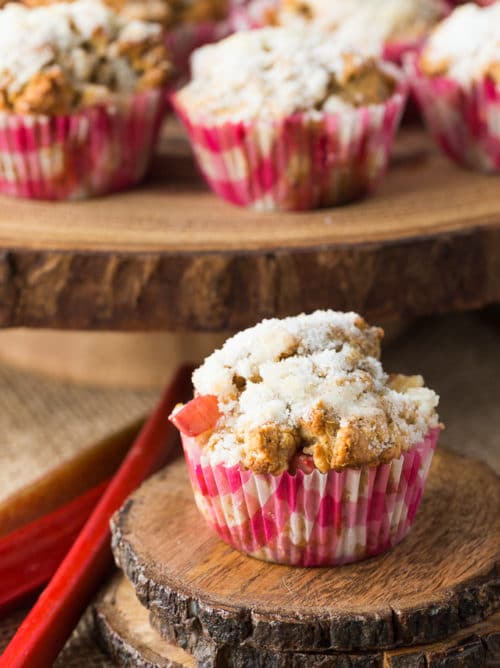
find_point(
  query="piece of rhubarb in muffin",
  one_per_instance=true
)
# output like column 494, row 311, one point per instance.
column 300, row 448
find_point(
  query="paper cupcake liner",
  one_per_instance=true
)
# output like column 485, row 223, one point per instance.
column 300, row 162
column 184, row 39
column 95, row 151
column 314, row 519
column 464, row 123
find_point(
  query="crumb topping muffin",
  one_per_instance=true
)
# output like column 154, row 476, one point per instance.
column 172, row 13
column 465, row 46
column 169, row 13
column 365, row 23
column 65, row 56
column 275, row 72
column 311, row 384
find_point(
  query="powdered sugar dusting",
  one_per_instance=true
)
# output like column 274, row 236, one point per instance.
column 364, row 23
column 60, row 34
column 314, row 379
column 466, row 45
column 268, row 73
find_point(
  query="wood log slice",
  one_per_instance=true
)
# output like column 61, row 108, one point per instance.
column 170, row 255
column 443, row 577
column 126, row 634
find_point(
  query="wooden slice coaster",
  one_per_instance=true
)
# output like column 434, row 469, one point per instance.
column 441, row 578
column 126, row 634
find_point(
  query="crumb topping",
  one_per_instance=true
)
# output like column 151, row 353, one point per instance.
column 56, row 58
column 466, row 46
column 170, row 13
column 274, row 72
column 312, row 383
column 363, row 22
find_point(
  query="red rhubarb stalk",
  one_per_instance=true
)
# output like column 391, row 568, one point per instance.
column 43, row 633
column 30, row 555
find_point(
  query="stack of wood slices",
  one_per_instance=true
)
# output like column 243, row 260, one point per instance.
column 185, row 598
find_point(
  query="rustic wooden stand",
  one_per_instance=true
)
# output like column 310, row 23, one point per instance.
column 170, row 255
column 230, row 610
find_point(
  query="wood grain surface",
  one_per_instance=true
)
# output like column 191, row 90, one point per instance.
column 170, row 255
column 442, row 577
column 127, row 636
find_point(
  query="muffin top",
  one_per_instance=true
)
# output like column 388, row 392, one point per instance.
column 64, row 56
column 466, row 45
column 311, row 385
column 274, row 72
column 169, row 13
column 365, row 23
column 172, row 13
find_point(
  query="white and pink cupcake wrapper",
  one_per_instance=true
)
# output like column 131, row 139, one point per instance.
column 304, row 161
column 92, row 152
column 464, row 123
column 313, row 519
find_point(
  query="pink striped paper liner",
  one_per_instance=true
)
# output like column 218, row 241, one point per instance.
column 304, row 161
column 465, row 123
column 313, row 519
column 92, row 152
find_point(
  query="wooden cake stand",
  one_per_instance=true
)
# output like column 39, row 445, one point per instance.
column 429, row 602
column 170, row 255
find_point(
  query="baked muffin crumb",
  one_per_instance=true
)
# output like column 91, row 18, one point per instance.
column 61, row 57
column 361, row 22
column 275, row 72
column 312, row 384
column 466, row 45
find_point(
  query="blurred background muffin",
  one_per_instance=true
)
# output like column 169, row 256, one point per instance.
column 81, row 99
column 457, row 82
column 391, row 27
column 282, row 119
column 188, row 24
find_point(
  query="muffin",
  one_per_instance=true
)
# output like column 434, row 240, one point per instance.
column 391, row 27
column 456, row 80
column 81, row 99
column 283, row 119
column 187, row 24
column 300, row 448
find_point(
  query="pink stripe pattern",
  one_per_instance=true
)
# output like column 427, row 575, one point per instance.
column 313, row 519
column 464, row 123
column 300, row 162
column 92, row 152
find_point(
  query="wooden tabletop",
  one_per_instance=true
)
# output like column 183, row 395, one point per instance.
column 171, row 255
